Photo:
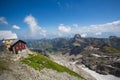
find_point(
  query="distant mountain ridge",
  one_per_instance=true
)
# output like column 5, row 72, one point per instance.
column 72, row 44
column 99, row 54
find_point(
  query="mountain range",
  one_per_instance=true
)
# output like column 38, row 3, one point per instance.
column 71, row 44
column 99, row 54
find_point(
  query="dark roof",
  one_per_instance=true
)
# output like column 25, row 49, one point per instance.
column 15, row 41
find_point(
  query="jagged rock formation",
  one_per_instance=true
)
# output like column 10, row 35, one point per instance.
column 114, row 42
column 67, row 44
column 103, row 63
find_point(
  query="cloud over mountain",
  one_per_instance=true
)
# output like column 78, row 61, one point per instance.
column 98, row 30
column 107, row 27
column 63, row 28
column 35, row 29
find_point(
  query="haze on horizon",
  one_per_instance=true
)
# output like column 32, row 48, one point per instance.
column 60, row 18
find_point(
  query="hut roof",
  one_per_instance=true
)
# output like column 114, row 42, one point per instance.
column 15, row 41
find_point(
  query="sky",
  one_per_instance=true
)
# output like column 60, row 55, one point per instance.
column 38, row 19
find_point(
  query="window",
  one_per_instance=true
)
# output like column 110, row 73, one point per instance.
column 16, row 47
column 19, row 46
column 20, row 43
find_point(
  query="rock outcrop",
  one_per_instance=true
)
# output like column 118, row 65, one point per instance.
column 103, row 63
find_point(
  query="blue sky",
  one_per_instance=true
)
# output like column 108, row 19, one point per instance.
column 60, row 18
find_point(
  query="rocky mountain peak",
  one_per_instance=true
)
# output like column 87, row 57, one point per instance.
column 77, row 36
column 112, row 37
column 114, row 42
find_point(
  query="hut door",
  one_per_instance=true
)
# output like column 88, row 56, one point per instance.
column 16, row 52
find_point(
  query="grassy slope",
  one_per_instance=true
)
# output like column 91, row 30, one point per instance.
column 39, row 62
column 3, row 66
column 110, row 49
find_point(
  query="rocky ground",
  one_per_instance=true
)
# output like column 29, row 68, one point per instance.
column 77, row 66
column 64, row 60
column 19, row 71
column 103, row 63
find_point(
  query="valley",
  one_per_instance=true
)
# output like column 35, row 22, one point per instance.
column 101, row 55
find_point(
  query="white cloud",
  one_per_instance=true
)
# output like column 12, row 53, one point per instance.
column 43, row 32
column 101, row 28
column 75, row 25
column 98, row 33
column 15, row 27
column 35, row 29
column 93, row 30
column 63, row 28
column 30, row 20
column 7, row 35
column 3, row 20
column 84, row 35
column 114, row 23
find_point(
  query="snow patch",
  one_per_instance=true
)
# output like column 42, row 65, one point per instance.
column 96, row 55
column 99, row 76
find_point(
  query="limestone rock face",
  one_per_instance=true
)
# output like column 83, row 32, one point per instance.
column 103, row 63
column 114, row 42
